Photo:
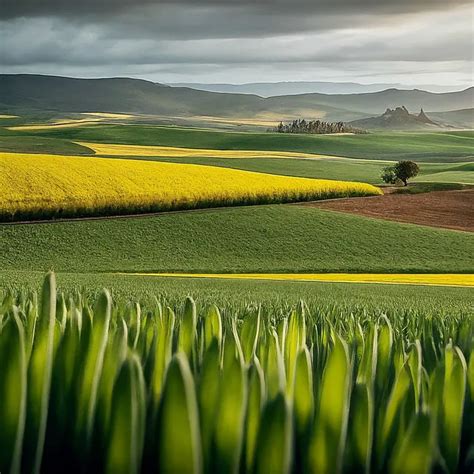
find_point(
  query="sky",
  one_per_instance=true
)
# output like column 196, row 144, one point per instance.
column 237, row 41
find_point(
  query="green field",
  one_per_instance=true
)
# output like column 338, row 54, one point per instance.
column 10, row 142
column 329, row 168
column 446, row 157
column 463, row 173
column 255, row 239
column 423, row 147
column 279, row 238
column 278, row 295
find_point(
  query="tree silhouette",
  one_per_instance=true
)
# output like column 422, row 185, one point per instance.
column 402, row 171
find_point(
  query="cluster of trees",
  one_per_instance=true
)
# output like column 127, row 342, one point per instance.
column 400, row 172
column 316, row 126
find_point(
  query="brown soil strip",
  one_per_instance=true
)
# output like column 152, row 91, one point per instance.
column 447, row 209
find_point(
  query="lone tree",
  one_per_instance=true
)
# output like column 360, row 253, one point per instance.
column 402, row 171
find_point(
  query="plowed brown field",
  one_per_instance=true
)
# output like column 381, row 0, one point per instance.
column 447, row 209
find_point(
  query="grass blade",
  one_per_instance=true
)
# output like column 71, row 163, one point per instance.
column 229, row 427
column 127, row 428
column 39, row 377
column 187, row 329
column 209, row 388
column 256, row 398
column 179, row 443
column 12, row 393
column 274, row 443
column 361, row 426
column 329, row 436
column 454, row 390
column 93, row 357
column 413, row 452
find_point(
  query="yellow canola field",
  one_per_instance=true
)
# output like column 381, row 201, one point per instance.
column 107, row 149
column 39, row 185
column 447, row 279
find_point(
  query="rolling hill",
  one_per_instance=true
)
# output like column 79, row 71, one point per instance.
column 271, row 89
column 59, row 94
column 463, row 118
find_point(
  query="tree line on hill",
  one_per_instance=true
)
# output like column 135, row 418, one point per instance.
column 316, row 126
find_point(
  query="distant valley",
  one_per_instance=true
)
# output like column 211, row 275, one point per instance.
column 56, row 95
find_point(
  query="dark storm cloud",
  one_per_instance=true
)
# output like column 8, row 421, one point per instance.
column 235, row 40
column 20, row 8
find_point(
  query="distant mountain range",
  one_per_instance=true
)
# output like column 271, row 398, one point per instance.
column 59, row 94
column 271, row 89
column 397, row 119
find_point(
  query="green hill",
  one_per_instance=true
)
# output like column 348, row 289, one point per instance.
column 278, row 238
column 424, row 147
column 60, row 94
column 463, row 118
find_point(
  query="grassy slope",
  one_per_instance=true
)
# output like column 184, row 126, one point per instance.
column 237, row 294
column 428, row 147
column 463, row 173
column 12, row 142
column 329, row 168
column 264, row 238
column 340, row 169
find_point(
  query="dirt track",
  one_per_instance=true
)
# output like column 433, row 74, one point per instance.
column 447, row 209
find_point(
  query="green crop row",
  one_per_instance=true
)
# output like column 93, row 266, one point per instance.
column 100, row 387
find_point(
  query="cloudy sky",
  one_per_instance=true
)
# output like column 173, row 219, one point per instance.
column 405, row 41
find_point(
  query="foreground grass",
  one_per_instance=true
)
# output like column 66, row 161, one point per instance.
column 423, row 147
column 280, row 238
column 97, row 385
column 42, row 186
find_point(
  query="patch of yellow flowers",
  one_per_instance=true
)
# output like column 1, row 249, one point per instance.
column 445, row 279
column 35, row 186
column 108, row 149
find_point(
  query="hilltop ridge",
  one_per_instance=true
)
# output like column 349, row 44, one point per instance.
column 137, row 96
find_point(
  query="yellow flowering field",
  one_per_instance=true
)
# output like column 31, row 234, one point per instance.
column 108, row 149
column 445, row 279
column 35, row 185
